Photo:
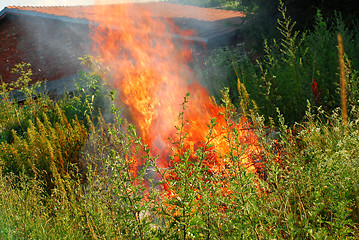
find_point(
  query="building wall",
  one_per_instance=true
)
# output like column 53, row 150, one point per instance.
column 52, row 47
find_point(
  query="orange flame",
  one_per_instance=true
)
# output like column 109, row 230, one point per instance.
column 151, row 72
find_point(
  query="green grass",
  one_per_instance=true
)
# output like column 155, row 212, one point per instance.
column 309, row 189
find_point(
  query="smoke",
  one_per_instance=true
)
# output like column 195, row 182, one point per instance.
column 52, row 47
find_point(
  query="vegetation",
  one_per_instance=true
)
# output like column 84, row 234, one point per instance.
column 66, row 171
column 223, row 4
column 294, row 68
column 262, row 15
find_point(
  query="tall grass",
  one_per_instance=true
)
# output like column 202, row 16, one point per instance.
column 308, row 190
column 297, row 67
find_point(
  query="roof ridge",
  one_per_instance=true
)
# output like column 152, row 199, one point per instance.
column 51, row 6
column 31, row 8
column 159, row 9
column 135, row 3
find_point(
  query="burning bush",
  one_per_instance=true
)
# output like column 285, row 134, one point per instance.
column 208, row 160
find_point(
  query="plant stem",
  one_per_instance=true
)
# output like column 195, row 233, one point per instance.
column 343, row 91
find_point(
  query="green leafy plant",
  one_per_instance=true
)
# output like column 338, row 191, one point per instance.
column 91, row 93
column 47, row 149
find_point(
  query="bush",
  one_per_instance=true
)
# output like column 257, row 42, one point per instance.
column 36, row 137
column 218, row 70
column 309, row 189
column 46, row 150
column 296, row 67
column 262, row 17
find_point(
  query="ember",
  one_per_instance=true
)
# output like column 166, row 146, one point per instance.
column 152, row 76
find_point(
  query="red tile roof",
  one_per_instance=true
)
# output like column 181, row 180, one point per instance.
column 157, row 9
column 207, row 24
column 55, row 45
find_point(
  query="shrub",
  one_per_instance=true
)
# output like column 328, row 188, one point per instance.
column 217, row 70
column 46, row 150
column 300, row 67
column 309, row 189
column 91, row 96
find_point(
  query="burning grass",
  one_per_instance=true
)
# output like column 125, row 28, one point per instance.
column 150, row 72
column 310, row 192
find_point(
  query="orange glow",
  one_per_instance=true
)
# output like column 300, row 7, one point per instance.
column 151, row 72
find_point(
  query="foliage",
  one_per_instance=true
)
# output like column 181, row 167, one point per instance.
column 46, row 150
column 36, row 137
column 91, row 94
column 263, row 22
column 217, row 70
column 309, row 189
column 223, row 4
column 284, row 79
column 12, row 117
column 295, row 68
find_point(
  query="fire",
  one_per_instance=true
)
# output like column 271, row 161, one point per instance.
column 151, row 72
